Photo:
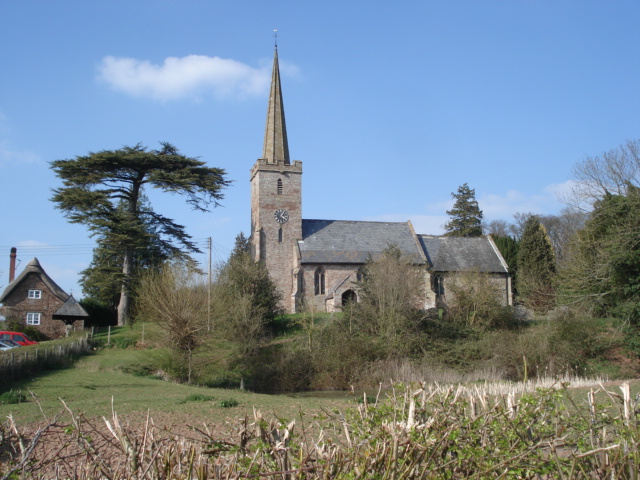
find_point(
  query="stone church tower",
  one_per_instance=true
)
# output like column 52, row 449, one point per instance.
column 276, row 199
column 317, row 263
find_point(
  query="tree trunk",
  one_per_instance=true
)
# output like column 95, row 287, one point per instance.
column 125, row 298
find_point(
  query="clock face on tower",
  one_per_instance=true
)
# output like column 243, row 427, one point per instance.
column 281, row 215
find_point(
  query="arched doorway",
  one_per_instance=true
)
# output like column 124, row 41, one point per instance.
column 349, row 296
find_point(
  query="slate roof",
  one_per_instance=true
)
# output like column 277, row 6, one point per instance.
column 34, row 267
column 71, row 308
column 349, row 242
column 459, row 254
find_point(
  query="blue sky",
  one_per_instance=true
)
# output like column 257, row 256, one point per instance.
column 390, row 105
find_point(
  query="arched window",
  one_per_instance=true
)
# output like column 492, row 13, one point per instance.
column 279, row 186
column 438, row 284
column 318, row 281
column 280, row 235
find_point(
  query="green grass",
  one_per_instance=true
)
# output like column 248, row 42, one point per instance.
column 97, row 380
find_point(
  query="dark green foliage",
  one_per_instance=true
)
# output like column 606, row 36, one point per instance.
column 104, row 191
column 603, row 269
column 12, row 397
column 228, row 403
column 246, row 300
column 466, row 216
column 100, row 314
column 102, row 280
column 509, row 248
column 198, row 397
column 536, row 267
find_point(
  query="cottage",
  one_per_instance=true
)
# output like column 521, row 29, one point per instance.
column 316, row 262
column 37, row 301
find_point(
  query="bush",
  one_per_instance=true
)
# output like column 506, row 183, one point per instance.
column 229, row 403
column 12, row 397
column 14, row 325
column 475, row 300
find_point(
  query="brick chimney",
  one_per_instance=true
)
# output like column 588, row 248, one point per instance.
column 12, row 264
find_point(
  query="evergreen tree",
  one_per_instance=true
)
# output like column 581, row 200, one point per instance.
column 466, row 216
column 102, row 279
column 508, row 247
column 246, row 299
column 603, row 268
column 95, row 185
column 536, row 266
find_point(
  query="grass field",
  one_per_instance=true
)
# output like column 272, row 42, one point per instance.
column 96, row 380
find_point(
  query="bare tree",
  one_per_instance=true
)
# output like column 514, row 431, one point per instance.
column 175, row 298
column 610, row 172
column 389, row 294
column 498, row 228
column 476, row 300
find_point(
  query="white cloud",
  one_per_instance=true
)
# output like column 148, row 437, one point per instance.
column 187, row 77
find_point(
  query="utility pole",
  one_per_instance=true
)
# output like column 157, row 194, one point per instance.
column 209, row 291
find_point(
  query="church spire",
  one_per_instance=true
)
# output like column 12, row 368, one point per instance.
column 276, row 147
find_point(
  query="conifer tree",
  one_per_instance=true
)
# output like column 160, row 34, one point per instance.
column 466, row 216
column 95, row 186
column 536, row 266
column 508, row 247
column 246, row 300
column 603, row 268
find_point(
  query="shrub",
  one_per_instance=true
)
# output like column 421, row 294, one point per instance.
column 12, row 397
column 229, row 403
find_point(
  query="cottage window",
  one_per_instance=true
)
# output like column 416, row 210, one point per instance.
column 33, row 318
column 318, row 281
column 279, row 186
column 37, row 294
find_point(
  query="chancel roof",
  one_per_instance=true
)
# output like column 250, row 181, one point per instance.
column 462, row 254
column 344, row 241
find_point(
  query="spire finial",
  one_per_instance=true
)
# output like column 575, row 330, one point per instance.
column 275, row 37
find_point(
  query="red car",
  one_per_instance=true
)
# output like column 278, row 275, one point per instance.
column 19, row 338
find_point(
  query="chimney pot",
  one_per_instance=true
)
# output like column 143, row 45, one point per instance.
column 12, row 264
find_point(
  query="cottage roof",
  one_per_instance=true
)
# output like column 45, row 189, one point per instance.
column 34, row 267
column 344, row 241
column 458, row 254
column 71, row 309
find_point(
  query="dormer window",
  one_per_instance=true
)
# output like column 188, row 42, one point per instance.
column 279, row 186
column 35, row 294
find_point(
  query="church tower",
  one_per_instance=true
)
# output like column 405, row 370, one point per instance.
column 276, row 200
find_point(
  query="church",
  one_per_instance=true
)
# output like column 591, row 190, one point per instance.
column 315, row 263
